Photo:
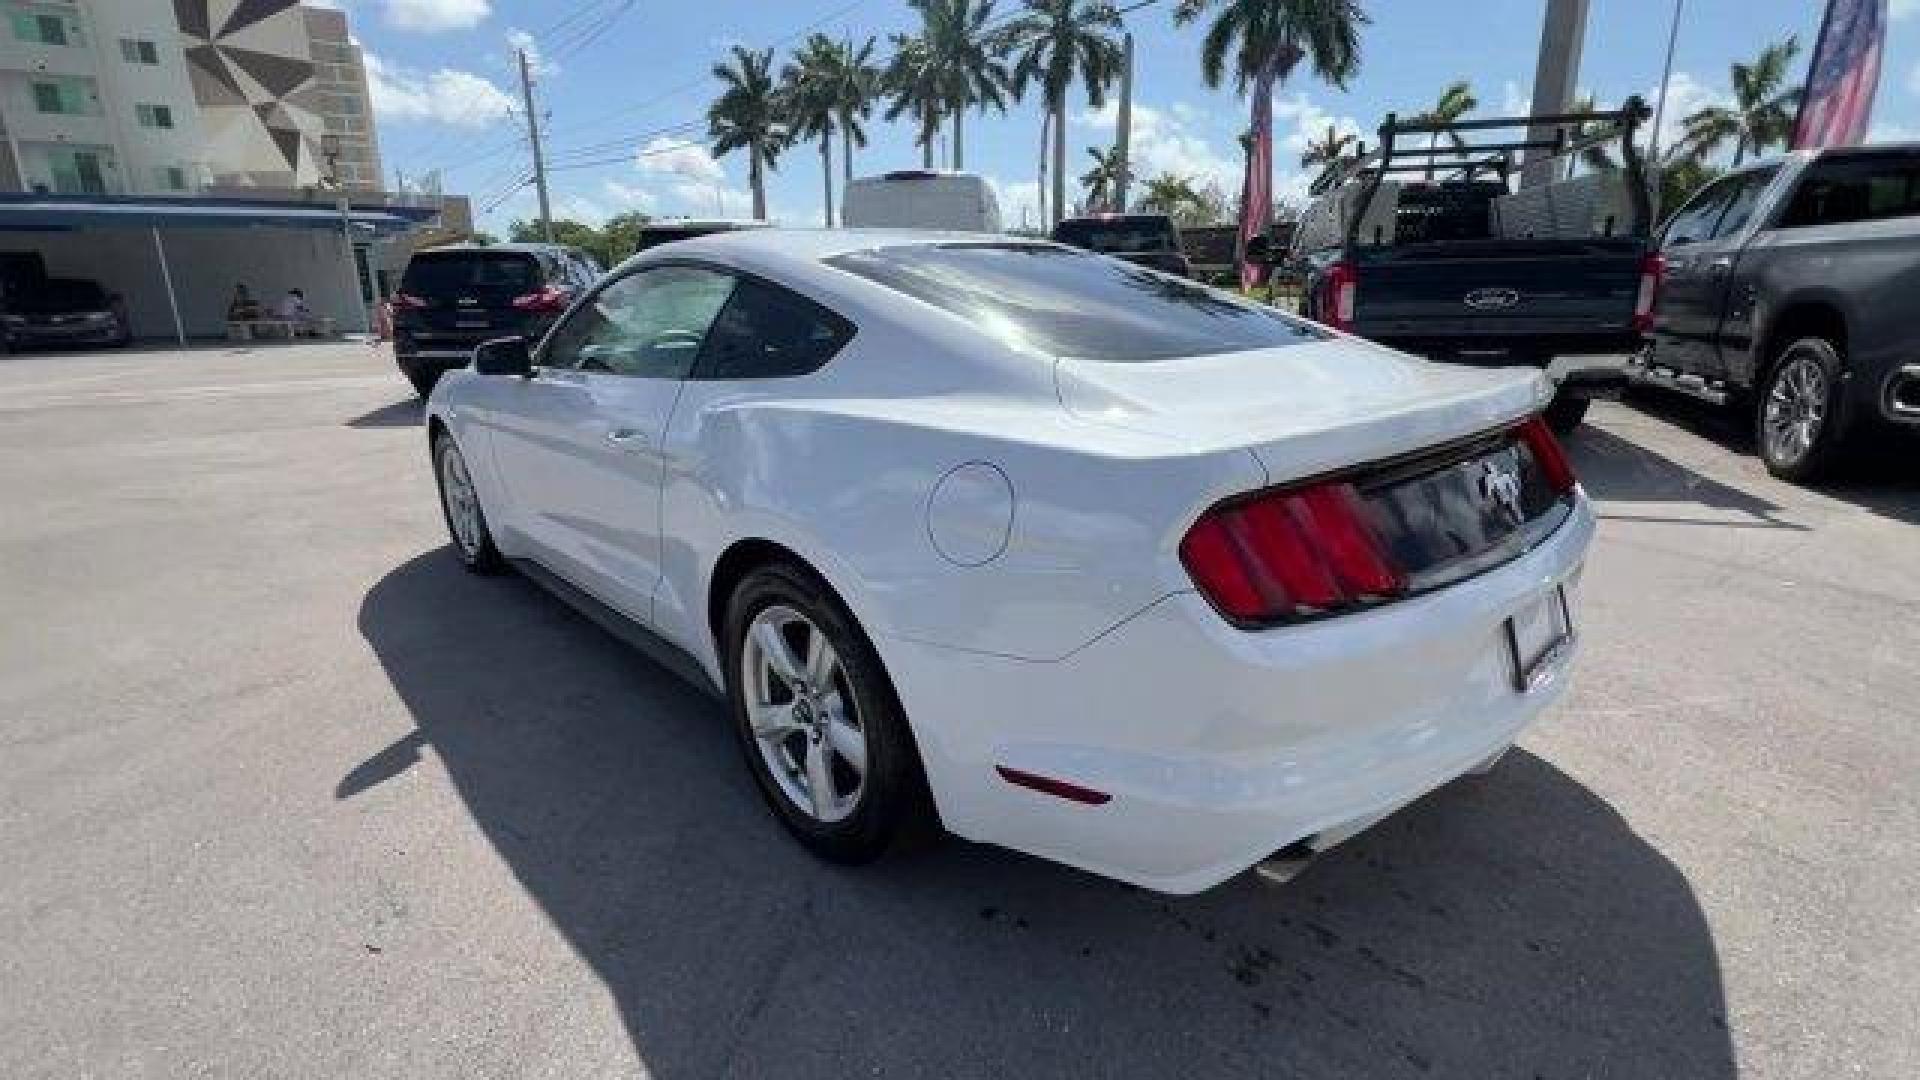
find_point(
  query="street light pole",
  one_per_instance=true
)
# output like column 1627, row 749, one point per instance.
column 533, row 136
column 1660, row 110
column 331, row 145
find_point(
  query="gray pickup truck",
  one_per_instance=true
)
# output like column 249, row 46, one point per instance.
column 1792, row 289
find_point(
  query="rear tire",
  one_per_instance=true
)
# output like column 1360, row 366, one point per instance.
column 829, row 710
column 1796, row 418
column 1564, row 414
column 460, row 507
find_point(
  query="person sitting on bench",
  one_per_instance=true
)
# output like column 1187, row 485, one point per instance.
column 243, row 307
column 294, row 309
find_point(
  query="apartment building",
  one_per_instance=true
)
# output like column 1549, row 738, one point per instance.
column 170, row 97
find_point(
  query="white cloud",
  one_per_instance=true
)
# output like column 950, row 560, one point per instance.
column 434, row 15
column 1686, row 95
column 446, row 96
column 1514, row 101
column 629, row 197
column 1163, row 140
column 680, row 157
column 537, row 61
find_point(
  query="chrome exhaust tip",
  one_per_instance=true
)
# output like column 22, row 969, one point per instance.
column 1903, row 393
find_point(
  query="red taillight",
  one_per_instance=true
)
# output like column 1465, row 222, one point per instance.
column 546, row 300
column 407, row 302
column 1340, row 289
column 1653, row 269
column 1548, row 455
column 1289, row 555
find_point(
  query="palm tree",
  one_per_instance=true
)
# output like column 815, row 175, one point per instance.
column 1174, row 196
column 959, row 56
column 1456, row 101
column 810, row 94
column 1268, row 38
column 1762, row 111
column 746, row 116
column 859, row 82
column 1102, row 181
column 1050, row 45
column 914, row 86
column 1597, row 157
column 1328, row 150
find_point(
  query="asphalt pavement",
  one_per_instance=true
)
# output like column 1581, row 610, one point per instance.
column 283, row 792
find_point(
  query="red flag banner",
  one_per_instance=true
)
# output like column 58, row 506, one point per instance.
column 1256, row 191
column 1843, row 76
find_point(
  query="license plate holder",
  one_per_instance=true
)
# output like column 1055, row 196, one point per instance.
column 1539, row 637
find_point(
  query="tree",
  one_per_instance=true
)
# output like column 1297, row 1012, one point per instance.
column 1102, row 181
column 860, row 81
column 1456, row 101
column 914, row 86
column 746, row 116
column 1050, row 45
column 960, row 60
column 1682, row 174
column 810, row 92
column 1271, row 37
column 1597, row 157
column 484, row 239
column 1329, row 149
column 1172, row 195
column 620, row 237
column 1762, row 110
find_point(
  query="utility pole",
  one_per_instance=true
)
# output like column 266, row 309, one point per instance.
column 1123, row 131
column 533, row 136
column 1660, row 112
column 1563, row 35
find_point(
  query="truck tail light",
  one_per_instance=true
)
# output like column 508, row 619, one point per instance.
column 1288, row 555
column 1652, row 270
column 1341, row 287
column 546, row 300
column 407, row 302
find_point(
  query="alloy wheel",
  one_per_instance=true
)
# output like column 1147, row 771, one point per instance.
column 463, row 506
column 803, row 714
column 1796, row 408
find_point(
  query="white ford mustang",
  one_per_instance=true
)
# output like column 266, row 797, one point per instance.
column 1047, row 549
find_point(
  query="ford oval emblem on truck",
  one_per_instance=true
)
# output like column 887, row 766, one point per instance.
column 1491, row 299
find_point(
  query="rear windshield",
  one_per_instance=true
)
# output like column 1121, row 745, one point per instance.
column 472, row 273
column 1069, row 303
column 1119, row 237
column 1436, row 214
column 59, row 296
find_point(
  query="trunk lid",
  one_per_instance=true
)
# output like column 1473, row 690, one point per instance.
column 1498, row 288
column 1303, row 410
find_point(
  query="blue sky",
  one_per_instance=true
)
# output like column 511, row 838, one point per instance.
column 624, row 96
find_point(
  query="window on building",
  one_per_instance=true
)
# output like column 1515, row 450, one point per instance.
column 170, row 178
column 154, row 116
column 135, row 51
column 45, row 29
column 78, row 172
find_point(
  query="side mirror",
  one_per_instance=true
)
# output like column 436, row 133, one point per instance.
column 503, row 356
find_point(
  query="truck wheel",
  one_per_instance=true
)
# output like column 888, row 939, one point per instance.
column 1565, row 413
column 1796, row 419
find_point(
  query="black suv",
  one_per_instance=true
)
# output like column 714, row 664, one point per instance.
column 453, row 298
column 1149, row 240
column 63, row 311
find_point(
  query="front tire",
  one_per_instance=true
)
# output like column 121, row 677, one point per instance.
column 460, row 507
column 1797, row 417
column 818, row 721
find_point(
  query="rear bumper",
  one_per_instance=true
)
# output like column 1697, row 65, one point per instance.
column 27, row 337
column 1517, row 348
column 1219, row 747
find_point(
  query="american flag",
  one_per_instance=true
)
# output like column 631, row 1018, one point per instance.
column 1256, row 192
column 1843, row 76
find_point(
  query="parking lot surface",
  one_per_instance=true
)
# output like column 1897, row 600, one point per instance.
column 283, row 792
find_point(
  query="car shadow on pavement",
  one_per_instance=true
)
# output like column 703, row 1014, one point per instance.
column 1617, row 469
column 1507, row 926
column 408, row 413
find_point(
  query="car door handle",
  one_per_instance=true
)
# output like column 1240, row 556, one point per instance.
column 626, row 436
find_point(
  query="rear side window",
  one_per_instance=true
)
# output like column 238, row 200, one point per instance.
column 767, row 332
column 482, row 275
column 1745, row 199
column 1695, row 221
column 1865, row 188
column 1063, row 302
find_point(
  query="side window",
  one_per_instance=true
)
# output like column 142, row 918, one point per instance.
column 1856, row 189
column 1745, row 199
column 1696, row 220
column 767, row 332
column 648, row 325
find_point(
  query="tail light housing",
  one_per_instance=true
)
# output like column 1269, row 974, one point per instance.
column 1290, row 554
column 547, row 300
column 407, row 302
column 1653, row 270
column 1283, row 556
column 1339, row 290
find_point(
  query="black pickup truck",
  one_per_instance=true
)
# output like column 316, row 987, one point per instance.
column 1793, row 290
column 1459, row 266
